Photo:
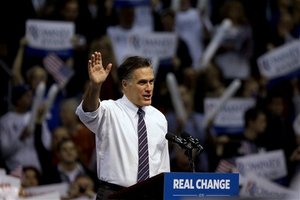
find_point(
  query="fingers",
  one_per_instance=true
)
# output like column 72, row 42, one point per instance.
column 108, row 68
column 96, row 59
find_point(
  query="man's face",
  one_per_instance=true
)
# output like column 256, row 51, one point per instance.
column 139, row 88
column 68, row 152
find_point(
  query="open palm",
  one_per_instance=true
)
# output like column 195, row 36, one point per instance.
column 97, row 73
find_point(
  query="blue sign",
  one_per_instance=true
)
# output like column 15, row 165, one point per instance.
column 182, row 185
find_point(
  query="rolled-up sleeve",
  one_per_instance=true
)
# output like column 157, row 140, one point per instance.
column 90, row 119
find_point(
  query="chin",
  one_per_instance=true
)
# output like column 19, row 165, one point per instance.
column 146, row 103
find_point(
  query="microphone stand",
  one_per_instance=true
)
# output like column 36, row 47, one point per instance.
column 189, row 154
column 192, row 144
column 188, row 143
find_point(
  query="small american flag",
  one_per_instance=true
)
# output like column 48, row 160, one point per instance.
column 58, row 69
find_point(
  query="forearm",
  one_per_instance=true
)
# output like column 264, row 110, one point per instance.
column 17, row 65
column 91, row 97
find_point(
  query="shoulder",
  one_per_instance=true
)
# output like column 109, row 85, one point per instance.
column 10, row 116
column 152, row 111
column 110, row 103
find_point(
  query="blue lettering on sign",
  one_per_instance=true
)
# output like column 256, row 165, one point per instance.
column 180, row 184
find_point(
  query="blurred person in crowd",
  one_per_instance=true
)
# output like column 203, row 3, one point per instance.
column 208, row 82
column 247, row 142
column 104, row 14
column 79, row 133
column 182, row 58
column 282, row 31
column 253, row 87
column 279, row 132
column 228, row 147
column 276, row 9
column 31, row 177
column 236, row 49
column 115, row 124
column 176, row 64
column 100, row 14
column 58, row 134
column 249, row 88
column 189, row 27
column 124, row 27
column 68, row 166
column 33, row 74
column 279, row 114
column 74, row 11
column 14, row 126
column 82, row 189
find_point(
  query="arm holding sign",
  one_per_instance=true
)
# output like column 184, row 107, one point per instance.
column 17, row 77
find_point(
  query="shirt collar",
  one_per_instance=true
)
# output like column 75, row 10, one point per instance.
column 132, row 108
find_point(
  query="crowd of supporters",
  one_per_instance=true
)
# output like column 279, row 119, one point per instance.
column 61, row 148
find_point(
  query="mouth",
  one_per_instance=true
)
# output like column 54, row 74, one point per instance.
column 147, row 97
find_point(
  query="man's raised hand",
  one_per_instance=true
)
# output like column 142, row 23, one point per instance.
column 97, row 73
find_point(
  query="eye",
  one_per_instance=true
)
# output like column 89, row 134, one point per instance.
column 142, row 82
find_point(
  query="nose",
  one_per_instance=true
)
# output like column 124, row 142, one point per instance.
column 149, row 86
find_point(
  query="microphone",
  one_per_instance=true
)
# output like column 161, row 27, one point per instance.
column 194, row 141
column 183, row 143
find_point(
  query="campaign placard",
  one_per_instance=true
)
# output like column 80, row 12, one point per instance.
column 60, row 188
column 270, row 165
column 44, row 36
column 260, row 187
column 9, row 187
column 280, row 63
column 230, row 119
column 180, row 185
column 154, row 45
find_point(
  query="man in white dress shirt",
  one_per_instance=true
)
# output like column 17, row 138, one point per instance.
column 115, row 124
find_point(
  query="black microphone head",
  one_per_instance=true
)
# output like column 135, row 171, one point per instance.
column 185, row 134
column 169, row 136
column 178, row 140
column 194, row 141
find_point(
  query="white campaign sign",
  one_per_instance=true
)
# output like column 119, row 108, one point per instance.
column 259, row 187
column 151, row 45
column 270, row 165
column 49, row 35
column 61, row 188
column 48, row 196
column 280, row 61
column 9, row 187
column 231, row 114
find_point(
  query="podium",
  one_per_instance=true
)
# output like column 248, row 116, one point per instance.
column 151, row 188
column 182, row 185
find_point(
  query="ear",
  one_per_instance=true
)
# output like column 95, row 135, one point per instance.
column 124, row 83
